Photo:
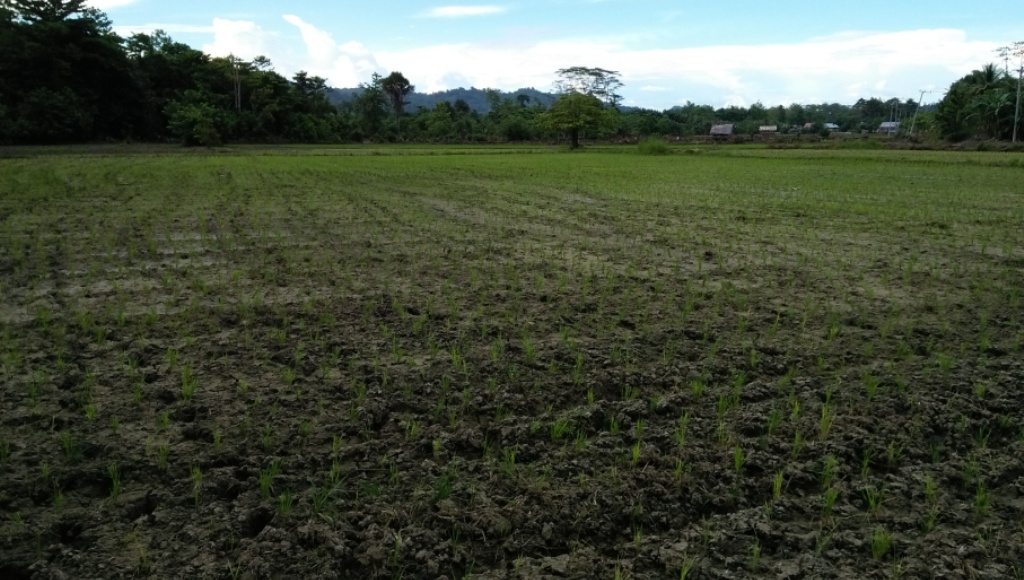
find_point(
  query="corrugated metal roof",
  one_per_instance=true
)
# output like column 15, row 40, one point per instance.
column 724, row 129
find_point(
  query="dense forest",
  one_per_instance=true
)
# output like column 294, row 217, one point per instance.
column 67, row 77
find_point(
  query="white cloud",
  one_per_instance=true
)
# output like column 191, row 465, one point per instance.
column 839, row 68
column 241, row 38
column 344, row 65
column 106, row 5
column 129, row 29
column 461, row 11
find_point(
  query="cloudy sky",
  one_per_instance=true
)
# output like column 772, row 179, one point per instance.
column 717, row 52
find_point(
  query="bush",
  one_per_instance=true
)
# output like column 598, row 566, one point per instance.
column 653, row 147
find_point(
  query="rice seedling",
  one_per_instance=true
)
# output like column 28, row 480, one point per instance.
column 163, row 452
column 197, row 483
column 697, row 387
column 444, row 486
column 114, row 473
column 774, row 421
column 687, row 567
column 681, row 428
column 738, row 459
column 284, row 504
column 72, row 451
column 829, row 471
column 873, row 498
column 797, row 446
column 777, row 481
column 58, row 496
column 825, row 424
column 930, row 519
column 980, row 389
column 189, row 382
column 266, row 478
column 894, row 453
column 560, row 429
column 755, row 556
column 982, row 500
column 829, row 501
column 881, row 543
column 871, row 383
column 930, row 489
column 865, row 464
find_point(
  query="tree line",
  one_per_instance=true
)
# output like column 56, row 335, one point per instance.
column 67, row 77
column 984, row 104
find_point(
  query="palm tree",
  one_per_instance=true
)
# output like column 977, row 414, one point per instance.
column 396, row 87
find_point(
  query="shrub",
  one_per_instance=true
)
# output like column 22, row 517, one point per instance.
column 653, row 147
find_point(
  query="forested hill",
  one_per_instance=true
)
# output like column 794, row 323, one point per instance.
column 477, row 99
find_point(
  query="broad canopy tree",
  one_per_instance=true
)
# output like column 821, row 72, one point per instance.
column 575, row 112
column 597, row 82
column 587, row 102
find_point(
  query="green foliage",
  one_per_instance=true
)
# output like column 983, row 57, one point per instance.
column 981, row 104
column 46, row 10
column 193, row 123
column 653, row 147
column 100, row 86
column 575, row 113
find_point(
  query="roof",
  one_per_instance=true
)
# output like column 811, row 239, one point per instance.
column 889, row 125
column 831, row 126
column 724, row 129
column 768, row 128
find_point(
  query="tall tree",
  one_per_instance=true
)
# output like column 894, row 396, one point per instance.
column 65, row 74
column 45, row 10
column 396, row 87
column 370, row 107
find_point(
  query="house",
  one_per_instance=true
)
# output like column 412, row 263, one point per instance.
column 808, row 126
column 831, row 126
column 769, row 129
column 724, row 130
column 889, row 127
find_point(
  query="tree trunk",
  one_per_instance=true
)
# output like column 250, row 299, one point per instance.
column 574, row 135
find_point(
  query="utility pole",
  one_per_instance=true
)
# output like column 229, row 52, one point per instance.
column 235, row 64
column 1018, row 51
column 1004, row 53
column 920, row 100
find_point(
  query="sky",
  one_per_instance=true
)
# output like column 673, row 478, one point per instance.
column 668, row 52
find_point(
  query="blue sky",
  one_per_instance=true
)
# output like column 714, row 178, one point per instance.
column 668, row 51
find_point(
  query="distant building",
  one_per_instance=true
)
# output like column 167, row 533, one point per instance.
column 889, row 127
column 724, row 130
column 808, row 126
column 769, row 128
column 831, row 126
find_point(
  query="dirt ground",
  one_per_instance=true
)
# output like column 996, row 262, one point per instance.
column 265, row 368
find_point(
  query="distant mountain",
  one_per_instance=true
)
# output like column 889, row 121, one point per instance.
column 475, row 98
